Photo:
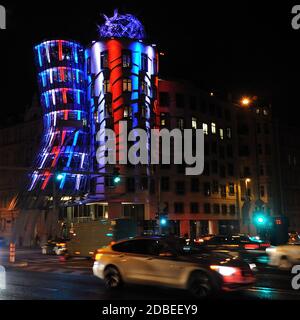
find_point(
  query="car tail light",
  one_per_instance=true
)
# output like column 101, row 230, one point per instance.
column 251, row 246
column 265, row 245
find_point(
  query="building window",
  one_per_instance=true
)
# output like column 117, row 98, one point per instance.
column 214, row 166
column 214, row 147
column 203, row 107
column 231, row 188
column 194, row 207
column 205, row 128
column 228, row 133
column 216, row 208
column 215, row 186
column 106, row 86
column 194, row 185
column 194, row 123
column 180, row 123
column 164, row 119
column 213, row 128
column 221, row 131
column 224, row 209
column 227, row 114
column 144, row 183
column 130, row 184
column 165, row 183
column 222, row 171
column 229, row 151
column 144, row 61
column 222, row 152
column 268, row 149
column 180, row 187
column 144, row 87
column 127, row 86
column 259, row 149
column 193, row 102
column 164, row 99
column 223, row 190
column 262, row 191
column 104, row 59
column 261, row 170
column 179, row 100
column 232, row 209
column 178, row 207
column 230, row 169
column 247, row 172
column 127, row 112
column 206, row 171
column 89, row 65
column 206, row 189
column 207, row 208
column 108, row 109
column 126, row 59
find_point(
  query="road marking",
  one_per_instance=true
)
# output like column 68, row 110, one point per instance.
column 274, row 290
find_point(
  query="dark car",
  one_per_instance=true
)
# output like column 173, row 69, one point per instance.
column 251, row 250
column 235, row 242
column 169, row 262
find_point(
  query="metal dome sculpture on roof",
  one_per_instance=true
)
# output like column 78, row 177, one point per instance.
column 122, row 26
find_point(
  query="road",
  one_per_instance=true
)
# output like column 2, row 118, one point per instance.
column 38, row 277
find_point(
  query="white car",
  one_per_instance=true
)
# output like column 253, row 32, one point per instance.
column 284, row 256
column 161, row 261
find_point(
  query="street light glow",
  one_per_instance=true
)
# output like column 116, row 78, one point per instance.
column 245, row 101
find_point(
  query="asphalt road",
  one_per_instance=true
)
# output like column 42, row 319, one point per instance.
column 38, row 277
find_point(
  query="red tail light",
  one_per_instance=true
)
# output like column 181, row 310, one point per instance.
column 251, row 246
column 265, row 245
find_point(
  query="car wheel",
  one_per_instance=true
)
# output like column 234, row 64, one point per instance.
column 200, row 285
column 112, row 278
column 284, row 263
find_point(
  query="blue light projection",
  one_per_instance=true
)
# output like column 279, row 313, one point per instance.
column 122, row 26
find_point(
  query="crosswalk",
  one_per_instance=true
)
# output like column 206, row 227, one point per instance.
column 45, row 269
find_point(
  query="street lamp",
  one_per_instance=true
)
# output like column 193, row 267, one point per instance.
column 245, row 101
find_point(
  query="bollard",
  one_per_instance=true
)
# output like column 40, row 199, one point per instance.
column 12, row 253
column 2, row 278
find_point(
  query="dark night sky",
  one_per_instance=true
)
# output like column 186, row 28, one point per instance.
column 244, row 47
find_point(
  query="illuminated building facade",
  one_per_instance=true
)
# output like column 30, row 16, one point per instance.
column 122, row 86
column 64, row 151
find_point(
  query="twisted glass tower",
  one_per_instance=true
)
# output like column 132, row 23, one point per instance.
column 64, row 153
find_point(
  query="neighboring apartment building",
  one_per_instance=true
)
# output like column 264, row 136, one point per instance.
column 18, row 146
column 288, row 160
column 208, row 203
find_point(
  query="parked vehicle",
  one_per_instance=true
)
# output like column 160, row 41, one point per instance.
column 87, row 237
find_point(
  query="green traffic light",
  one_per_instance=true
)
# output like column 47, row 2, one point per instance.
column 59, row 177
column 261, row 220
column 117, row 179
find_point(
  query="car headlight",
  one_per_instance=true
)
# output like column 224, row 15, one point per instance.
column 224, row 271
column 271, row 250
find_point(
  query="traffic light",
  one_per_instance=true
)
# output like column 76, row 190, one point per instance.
column 260, row 220
column 59, row 176
column 116, row 176
column 163, row 220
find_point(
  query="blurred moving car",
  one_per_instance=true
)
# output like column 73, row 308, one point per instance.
column 56, row 246
column 236, row 242
column 284, row 256
column 161, row 261
column 204, row 238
